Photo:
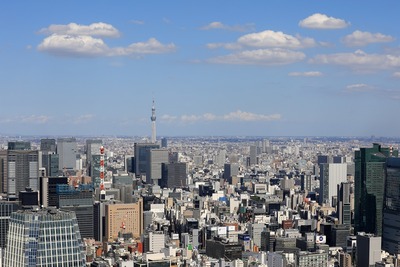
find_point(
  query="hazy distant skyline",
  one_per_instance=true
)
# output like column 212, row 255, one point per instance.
column 259, row 68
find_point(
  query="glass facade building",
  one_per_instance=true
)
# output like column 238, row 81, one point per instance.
column 44, row 237
column 369, row 188
column 391, row 212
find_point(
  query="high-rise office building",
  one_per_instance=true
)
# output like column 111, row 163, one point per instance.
column 67, row 150
column 123, row 218
column 19, row 145
column 92, row 148
column 140, row 151
column 155, row 159
column 173, row 175
column 164, row 142
column 3, row 171
column 368, row 249
column 6, row 208
column 44, row 237
column 48, row 144
column 50, row 159
column 331, row 175
column 78, row 200
column 253, row 155
column 369, row 188
column 230, row 170
column 22, row 171
column 391, row 212
column 344, row 202
column 306, row 182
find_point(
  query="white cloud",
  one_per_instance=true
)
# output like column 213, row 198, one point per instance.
column 33, row 119
column 85, row 41
column 232, row 116
column 87, row 46
column 322, row 21
column 151, row 46
column 396, row 74
column 248, row 116
column 219, row 25
column 168, row 118
column 229, row 46
column 358, row 87
column 274, row 56
column 40, row 119
column 359, row 38
column 65, row 45
column 306, row 74
column 83, row 118
column 138, row 22
column 98, row 29
column 359, row 60
column 270, row 38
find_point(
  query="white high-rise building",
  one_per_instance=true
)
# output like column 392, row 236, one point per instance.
column 67, row 150
column 331, row 175
column 156, row 241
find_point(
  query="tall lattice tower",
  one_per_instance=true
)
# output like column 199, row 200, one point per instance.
column 153, row 124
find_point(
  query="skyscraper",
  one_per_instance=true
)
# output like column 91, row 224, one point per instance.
column 80, row 201
column 155, row 158
column 391, row 212
column 23, row 171
column 344, row 203
column 44, row 237
column 3, row 171
column 6, row 208
column 140, row 151
column 67, row 151
column 369, row 188
column 173, row 175
column 153, row 123
column 331, row 175
column 92, row 148
column 50, row 160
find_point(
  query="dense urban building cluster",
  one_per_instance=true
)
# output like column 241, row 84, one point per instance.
column 199, row 201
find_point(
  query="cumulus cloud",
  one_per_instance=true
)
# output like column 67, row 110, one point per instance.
column 232, row 116
column 88, row 46
column 219, row 25
column 229, row 46
column 396, row 74
column 359, row 38
column 270, row 38
column 275, row 56
column 322, row 21
column 98, row 29
column 306, row 74
column 84, row 41
column 359, row 60
column 74, row 45
column 358, row 87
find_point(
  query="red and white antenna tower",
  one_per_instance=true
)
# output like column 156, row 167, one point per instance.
column 102, row 190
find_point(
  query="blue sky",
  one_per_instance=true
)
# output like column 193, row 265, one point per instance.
column 261, row 68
